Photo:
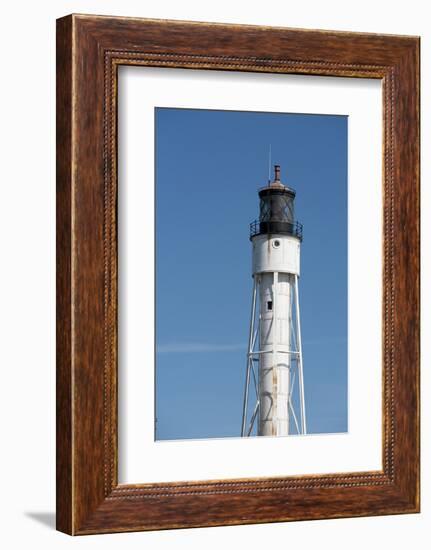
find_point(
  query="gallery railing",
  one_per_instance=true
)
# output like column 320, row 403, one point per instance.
column 274, row 226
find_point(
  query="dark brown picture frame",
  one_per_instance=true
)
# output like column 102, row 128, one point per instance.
column 89, row 51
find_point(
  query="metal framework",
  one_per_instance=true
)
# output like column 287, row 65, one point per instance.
column 293, row 361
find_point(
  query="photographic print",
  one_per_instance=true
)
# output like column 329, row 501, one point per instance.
column 251, row 274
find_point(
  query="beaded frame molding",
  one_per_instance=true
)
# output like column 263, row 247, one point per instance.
column 89, row 51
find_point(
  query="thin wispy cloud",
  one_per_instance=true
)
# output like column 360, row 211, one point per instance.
column 323, row 341
column 198, row 347
column 202, row 347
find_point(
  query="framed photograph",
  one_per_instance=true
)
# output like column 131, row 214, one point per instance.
column 237, row 274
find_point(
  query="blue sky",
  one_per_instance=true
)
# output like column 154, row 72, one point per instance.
column 209, row 166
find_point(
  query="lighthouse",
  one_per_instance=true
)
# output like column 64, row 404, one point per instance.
column 274, row 370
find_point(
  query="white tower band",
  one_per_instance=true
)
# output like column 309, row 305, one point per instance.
column 274, row 375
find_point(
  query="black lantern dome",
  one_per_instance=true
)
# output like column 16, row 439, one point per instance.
column 277, row 212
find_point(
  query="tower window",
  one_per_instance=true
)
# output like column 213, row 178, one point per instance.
column 269, row 305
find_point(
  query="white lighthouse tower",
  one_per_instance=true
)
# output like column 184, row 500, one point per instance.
column 274, row 355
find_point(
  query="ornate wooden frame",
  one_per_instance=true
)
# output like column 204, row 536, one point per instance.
column 89, row 51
